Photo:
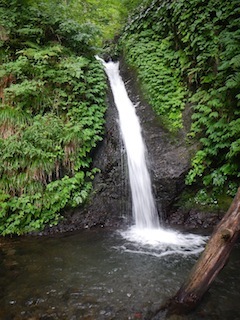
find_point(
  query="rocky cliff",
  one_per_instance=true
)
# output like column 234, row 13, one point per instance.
column 168, row 161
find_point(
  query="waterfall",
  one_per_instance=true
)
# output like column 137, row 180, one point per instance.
column 146, row 230
column 144, row 210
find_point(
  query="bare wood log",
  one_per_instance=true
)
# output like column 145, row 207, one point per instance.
column 210, row 263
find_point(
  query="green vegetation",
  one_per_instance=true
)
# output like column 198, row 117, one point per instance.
column 108, row 16
column 52, row 94
column 159, row 73
column 189, row 52
column 52, row 105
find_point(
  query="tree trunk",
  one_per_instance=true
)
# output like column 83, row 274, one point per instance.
column 210, row 263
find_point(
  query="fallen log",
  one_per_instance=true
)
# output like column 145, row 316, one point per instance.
column 210, row 263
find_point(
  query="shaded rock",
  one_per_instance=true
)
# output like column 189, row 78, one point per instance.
column 194, row 219
column 169, row 155
column 110, row 202
column 168, row 159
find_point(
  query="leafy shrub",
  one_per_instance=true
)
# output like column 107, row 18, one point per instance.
column 52, row 107
column 188, row 51
column 159, row 72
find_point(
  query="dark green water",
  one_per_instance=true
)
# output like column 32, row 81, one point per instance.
column 85, row 276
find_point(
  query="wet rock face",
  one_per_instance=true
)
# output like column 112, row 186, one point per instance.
column 194, row 219
column 110, row 203
column 169, row 157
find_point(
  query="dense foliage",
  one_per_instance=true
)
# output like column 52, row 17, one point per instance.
column 188, row 52
column 107, row 15
column 52, row 104
column 52, row 94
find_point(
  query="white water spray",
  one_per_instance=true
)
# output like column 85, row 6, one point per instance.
column 146, row 232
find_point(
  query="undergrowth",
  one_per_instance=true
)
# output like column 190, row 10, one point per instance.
column 189, row 52
column 52, row 105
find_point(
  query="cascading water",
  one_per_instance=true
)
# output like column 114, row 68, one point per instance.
column 144, row 209
column 146, row 231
